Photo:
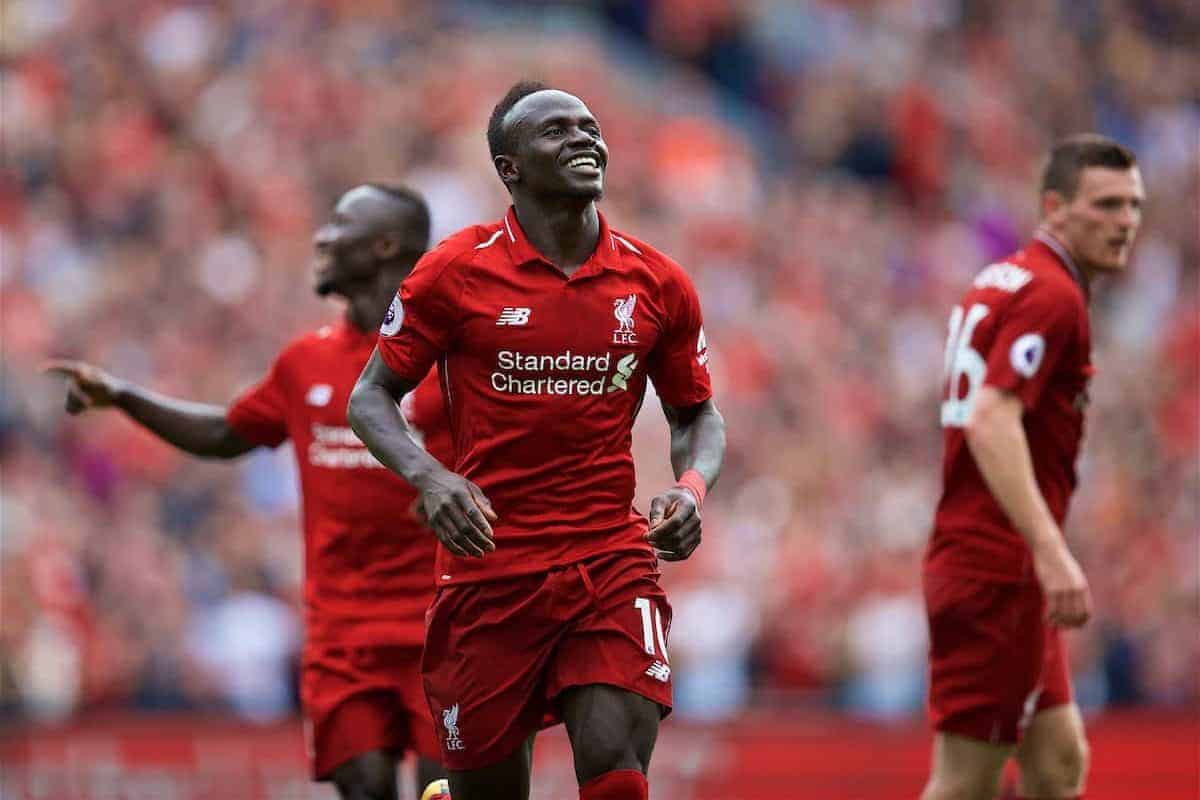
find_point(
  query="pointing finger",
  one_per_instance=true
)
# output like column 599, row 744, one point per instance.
column 60, row 366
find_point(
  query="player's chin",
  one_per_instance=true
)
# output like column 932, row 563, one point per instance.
column 585, row 189
column 1112, row 266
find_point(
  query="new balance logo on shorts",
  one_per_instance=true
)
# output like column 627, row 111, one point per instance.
column 659, row 671
column 513, row 315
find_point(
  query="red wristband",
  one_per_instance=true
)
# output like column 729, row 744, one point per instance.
column 693, row 481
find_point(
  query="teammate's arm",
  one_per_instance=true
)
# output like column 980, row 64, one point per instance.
column 456, row 508
column 196, row 428
column 697, row 450
column 996, row 438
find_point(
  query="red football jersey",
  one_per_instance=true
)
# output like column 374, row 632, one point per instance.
column 543, row 376
column 1022, row 327
column 368, row 562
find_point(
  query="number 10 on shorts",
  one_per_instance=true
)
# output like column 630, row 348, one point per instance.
column 643, row 604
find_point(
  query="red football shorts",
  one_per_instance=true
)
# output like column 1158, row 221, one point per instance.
column 994, row 661
column 358, row 699
column 498, row 654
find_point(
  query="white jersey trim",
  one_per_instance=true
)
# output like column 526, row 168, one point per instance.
column 627, row 244
column 490, row 241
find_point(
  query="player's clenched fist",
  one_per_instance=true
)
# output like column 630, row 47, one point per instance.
column 1068, row 599
column 459, row 513
column 88, row 386
column 674, row 524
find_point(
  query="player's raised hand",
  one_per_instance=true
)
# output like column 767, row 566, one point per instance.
column 459, row 513
column 1068, row 598
column 88, row 386
column 674, row 524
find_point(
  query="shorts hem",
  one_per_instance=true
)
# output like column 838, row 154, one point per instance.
column 969, row 731
column 664, row 709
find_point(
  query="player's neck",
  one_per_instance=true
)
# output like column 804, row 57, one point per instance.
column 566, row 234
column 366, row 309
column 1061, row 246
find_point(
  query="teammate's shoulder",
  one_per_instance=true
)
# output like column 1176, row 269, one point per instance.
column 308, row 342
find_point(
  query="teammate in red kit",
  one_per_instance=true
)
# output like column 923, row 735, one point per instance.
column 999, row 578
column 368, row 564
column 546, row 326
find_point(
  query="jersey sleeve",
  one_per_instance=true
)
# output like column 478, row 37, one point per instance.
column 259, row 415
column 1038, row 327
column 420, row 323
column 679, row 366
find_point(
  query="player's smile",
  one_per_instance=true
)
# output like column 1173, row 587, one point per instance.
column 582, row 157
column 590, row 163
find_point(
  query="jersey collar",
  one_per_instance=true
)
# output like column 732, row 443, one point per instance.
column 521, row 250
column 1056, row 247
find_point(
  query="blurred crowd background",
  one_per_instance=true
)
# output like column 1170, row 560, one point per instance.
column 831, row 172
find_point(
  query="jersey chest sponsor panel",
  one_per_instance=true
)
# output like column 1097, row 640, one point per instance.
column 368, row 563
column 545, row 376
column 1023, row 327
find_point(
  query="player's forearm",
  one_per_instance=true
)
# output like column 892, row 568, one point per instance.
column 377, row 421
column 196, row 428
column 697, row 441
column 996, row 439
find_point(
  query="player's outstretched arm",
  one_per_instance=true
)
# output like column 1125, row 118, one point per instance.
column 455, row 508
column 196, row 428
column 996, row 438
column 697, row 451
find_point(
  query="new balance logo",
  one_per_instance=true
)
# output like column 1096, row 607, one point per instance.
column 511, row 315
column 659, row 671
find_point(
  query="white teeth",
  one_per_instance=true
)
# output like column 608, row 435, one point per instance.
column 583, row 161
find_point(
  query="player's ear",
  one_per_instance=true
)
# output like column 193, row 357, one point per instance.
column 387, row 246
column 507, row 169
column 1052, row 203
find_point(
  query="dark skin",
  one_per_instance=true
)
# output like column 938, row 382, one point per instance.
column 361, row 254
column 554, row 169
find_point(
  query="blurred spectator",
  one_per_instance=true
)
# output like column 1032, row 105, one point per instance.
column 831, row 173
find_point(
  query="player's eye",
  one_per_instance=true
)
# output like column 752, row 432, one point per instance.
column 554, row 130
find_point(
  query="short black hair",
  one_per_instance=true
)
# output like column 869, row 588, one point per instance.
column 416, row 222
column 1071, row 156
column 498, row 143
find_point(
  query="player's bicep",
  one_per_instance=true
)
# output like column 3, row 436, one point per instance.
column 682, row 417
column 995, row 405
column 377, row 374
column 232, row 444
